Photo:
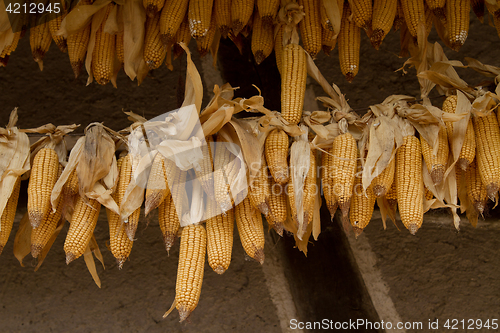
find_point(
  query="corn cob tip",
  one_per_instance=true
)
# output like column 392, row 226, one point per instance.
column 377, row 37
column 102, row 81
column 1, row 249
column 440, row 13
column 151, row 10
column 169, row 240
column 259, row 255
column 77, row 68
column 183, row 313
column 4, row 61
column 35, row 218
column 463, row 163
column 281, row 175
column 327, row 49
column 437, row 174
column 492, row 190
column 153, row 200
column 263, row 207
column 349, row 76
column 379, row 190
column 38, row 55
column 344, row 207
column 332, row 209
column 202, row 51
column 267, row 21
column 167, row 39
column 480, row 205
column 225, row 206
column 413, row 228
column 357, row 231
column 456, row 45
column 237, row 27
column 259, row 57
column 130, row 230
column 35, row 250
column 120, row 261
column 69, row 257
column 62, row 45
column 278, row 227
column 219, row 269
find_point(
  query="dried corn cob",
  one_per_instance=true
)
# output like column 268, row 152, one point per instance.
column 487, row 135
column 205, row 43
column 103, row 56
column 277, row 207
column 154, row 50
column 457, row 26
column 383, row 182
column 183, row 35
column 276, row 151
column 190, row 270
column 251, row 230
column 169, row 222
column 436, row 164
column 172, row 15
column 384, row 13
column 81, row 228
column 241, row 11
column 223, row 163
column 71, row 186
column 54, row 26
column 219, row 238
column 476, row 191
column 8, row 49
column 157, row 187
column 262, row 40
column 278, row 49
column 153, row 7
column 8, row 215
column 260, row 189
column 310, row 27
column 131, row 223
column 120, row 47
column 310, row 191
column 409, row 183
column 478, row 8
column 362, row 204
column 42, row 180
column 414, row 13
column 344, row 153
column 428, row 195
column 361, row 12
column 42, row 234
column 438, row 8
column 40, row 40
column 328, row 186
column 429, row 20
column 328, row 40
column 78, row 45
column 349, row 43
column 324, row 19
column 391, row 195
column 222, row 12
column 399, row 20
column 293, row 83
column 268, row 10
column 205, row 172
column 200, row 14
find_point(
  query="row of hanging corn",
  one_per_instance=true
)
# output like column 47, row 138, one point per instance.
column 106, row 38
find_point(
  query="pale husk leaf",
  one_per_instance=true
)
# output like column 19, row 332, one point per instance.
column 22, row 241
column 134, row 17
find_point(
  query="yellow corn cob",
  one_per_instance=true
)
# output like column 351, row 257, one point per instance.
column 362, row 204
column 8, row 49
column 78, row 45
column 71, row 186
column 120, row 48
column 183, row 35
column 310, row 191
column 130, row 225
column 154, row 50
column 169, row 222
column 328, row 40
column 172, row 15
column 204, row 43
column 276, row 151
column 219, row 239
column 391, row 195
column 223, row 162
column 478, row 8
column 157, row 187
column 488, row 152
column 119, row 243
column 428, row 195
column 349, row 43
column 278, row 48
column 457, row 13
column 292, row 202
column 200, row 14
column 8, row 215
column 103, row 56
column 40, row 40
column 293, row 83
column 190, row 269
column 438, row 8
column 325, row 20
column 450, row 106
column 222, row 12
column 205, row 173
column 251, row 230
column 414, row 13
column 328, row 185
column 153, row 7
column 241, row 11
column 429, row 20
column 54, row 26
column 383, row 182
column 262, row 40
column 310, row 27
column 399, row 20
column 42, row 234
column 260, row 189
column 476, row 191
column 277, row 207
column 409, row 183
column 436, row 164
column 268, row 10
column 344, row 153
column 361, row 13
column 42, row 180
column 384, row 13
column 81, row 228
